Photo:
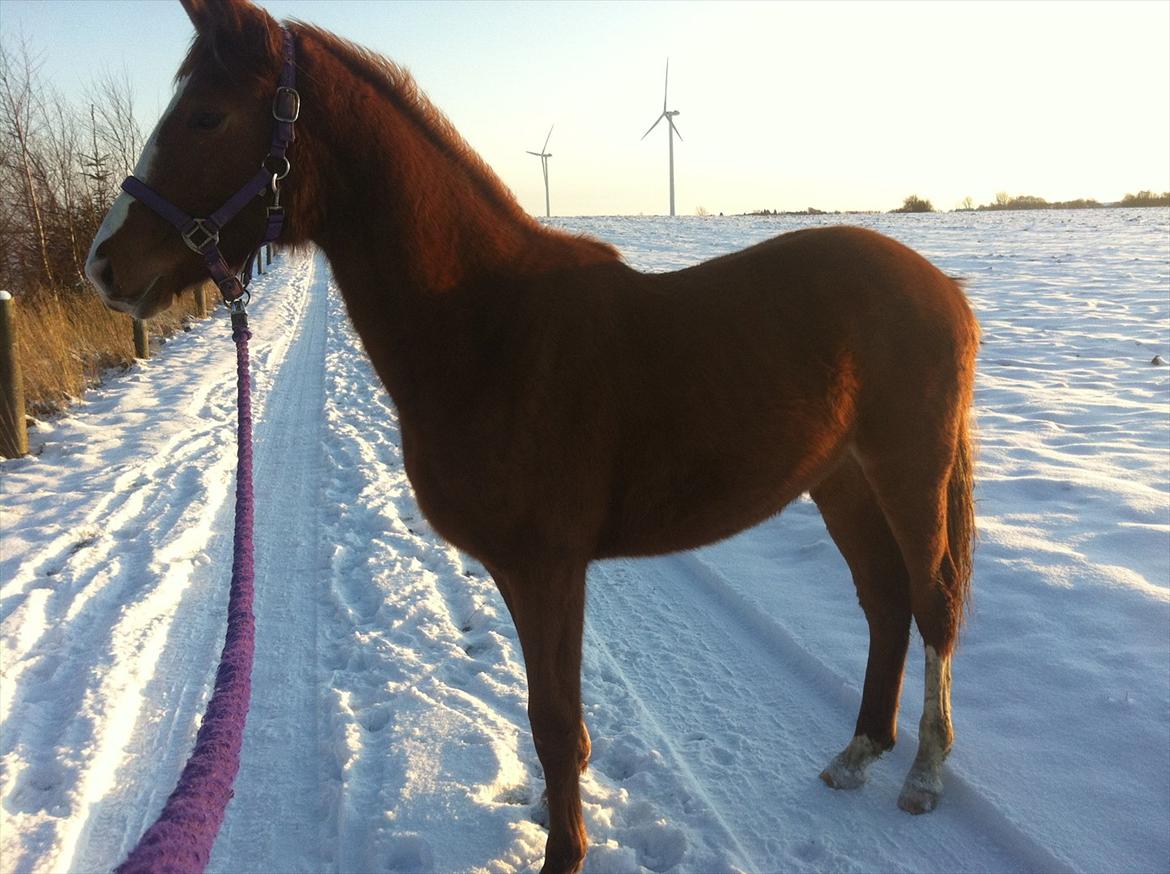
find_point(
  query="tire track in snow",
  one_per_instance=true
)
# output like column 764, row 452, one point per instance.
column 982, row 814
column 661, row 630
column 104, row 699
column 274, row 820
column 60, row 593
column 177, row 694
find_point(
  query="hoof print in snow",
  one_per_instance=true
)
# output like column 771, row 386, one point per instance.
column 375, row 719
column 515, row 795
column 87, row 540
column 624, row 757
column 659, row 846
column 34, row 791
column 409, row 853
column 811, row 852
column 476, row 648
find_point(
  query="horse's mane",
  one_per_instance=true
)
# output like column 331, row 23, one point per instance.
column 395, row 83
column 260, row 55
column 256, row 58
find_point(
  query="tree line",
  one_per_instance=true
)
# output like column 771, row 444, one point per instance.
column 1003, row 201
column 60, row 167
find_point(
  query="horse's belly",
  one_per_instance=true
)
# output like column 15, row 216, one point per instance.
column 661, row 514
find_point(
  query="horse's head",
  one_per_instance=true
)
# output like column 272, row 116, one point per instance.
column 209, row 141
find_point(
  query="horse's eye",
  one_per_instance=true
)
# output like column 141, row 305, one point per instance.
column 206, row 120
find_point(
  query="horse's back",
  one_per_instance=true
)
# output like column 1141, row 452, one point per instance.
column 851, row 302
column 858, row 272
column 744, row 379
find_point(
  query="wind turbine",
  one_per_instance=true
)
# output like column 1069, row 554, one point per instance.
column 671, row 131
column 544, row 156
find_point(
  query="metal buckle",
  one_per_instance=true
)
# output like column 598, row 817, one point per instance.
column 231, row 289
column 294, row 110
column 240, row 303
column 277, row 175
column 200, row 226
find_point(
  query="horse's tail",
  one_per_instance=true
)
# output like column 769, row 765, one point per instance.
column 961, row 518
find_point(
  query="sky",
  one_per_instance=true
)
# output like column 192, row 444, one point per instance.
column 838, row 105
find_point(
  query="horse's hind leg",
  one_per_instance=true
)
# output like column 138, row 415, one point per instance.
column 548, row 607
column 858, row 527
column 926, row 498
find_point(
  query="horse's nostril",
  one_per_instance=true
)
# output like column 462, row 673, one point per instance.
column 107, row 275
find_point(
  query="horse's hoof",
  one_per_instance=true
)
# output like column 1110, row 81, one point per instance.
column 842, row 778
column 918, row 800
column 922, row 790
column 850, row 768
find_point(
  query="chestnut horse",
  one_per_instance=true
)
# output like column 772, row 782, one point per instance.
column 558, row 407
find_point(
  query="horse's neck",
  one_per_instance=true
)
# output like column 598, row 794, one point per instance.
column 409, row 222
column 390, row 170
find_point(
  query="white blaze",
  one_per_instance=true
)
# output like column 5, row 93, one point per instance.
column 121, row 206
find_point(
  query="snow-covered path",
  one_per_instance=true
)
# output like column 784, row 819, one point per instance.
column 388, row 729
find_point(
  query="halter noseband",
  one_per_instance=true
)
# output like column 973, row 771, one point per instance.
column 202, row 234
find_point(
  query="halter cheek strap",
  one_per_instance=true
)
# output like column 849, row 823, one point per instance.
column 202, row 234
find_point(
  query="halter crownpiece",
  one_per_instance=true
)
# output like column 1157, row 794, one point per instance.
column 201, row 235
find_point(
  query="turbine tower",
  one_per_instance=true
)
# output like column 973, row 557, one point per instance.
column 544, row 155
column 671, row 130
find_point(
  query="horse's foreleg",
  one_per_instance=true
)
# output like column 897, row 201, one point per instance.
column 858, row 527
column 548, row 606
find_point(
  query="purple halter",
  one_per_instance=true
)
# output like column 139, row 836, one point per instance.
column 202, row 234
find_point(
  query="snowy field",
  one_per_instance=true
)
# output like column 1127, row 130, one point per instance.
column 388, row 728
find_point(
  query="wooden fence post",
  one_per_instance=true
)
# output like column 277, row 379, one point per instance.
column 141, row 341
column 13, row 432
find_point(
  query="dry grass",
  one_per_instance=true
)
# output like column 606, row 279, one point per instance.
column 65, row 342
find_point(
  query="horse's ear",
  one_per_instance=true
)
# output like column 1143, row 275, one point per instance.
column 232, row 29
column 222, row 18
column 209, row 16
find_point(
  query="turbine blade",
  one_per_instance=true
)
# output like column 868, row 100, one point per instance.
column 654, row 125
column 666, row 85
column 675, row 129
column 534, row 153
column 544, row 148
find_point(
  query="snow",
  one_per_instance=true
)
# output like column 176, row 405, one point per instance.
column 388, row 728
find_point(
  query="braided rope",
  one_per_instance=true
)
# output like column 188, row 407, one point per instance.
column 181, row 838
